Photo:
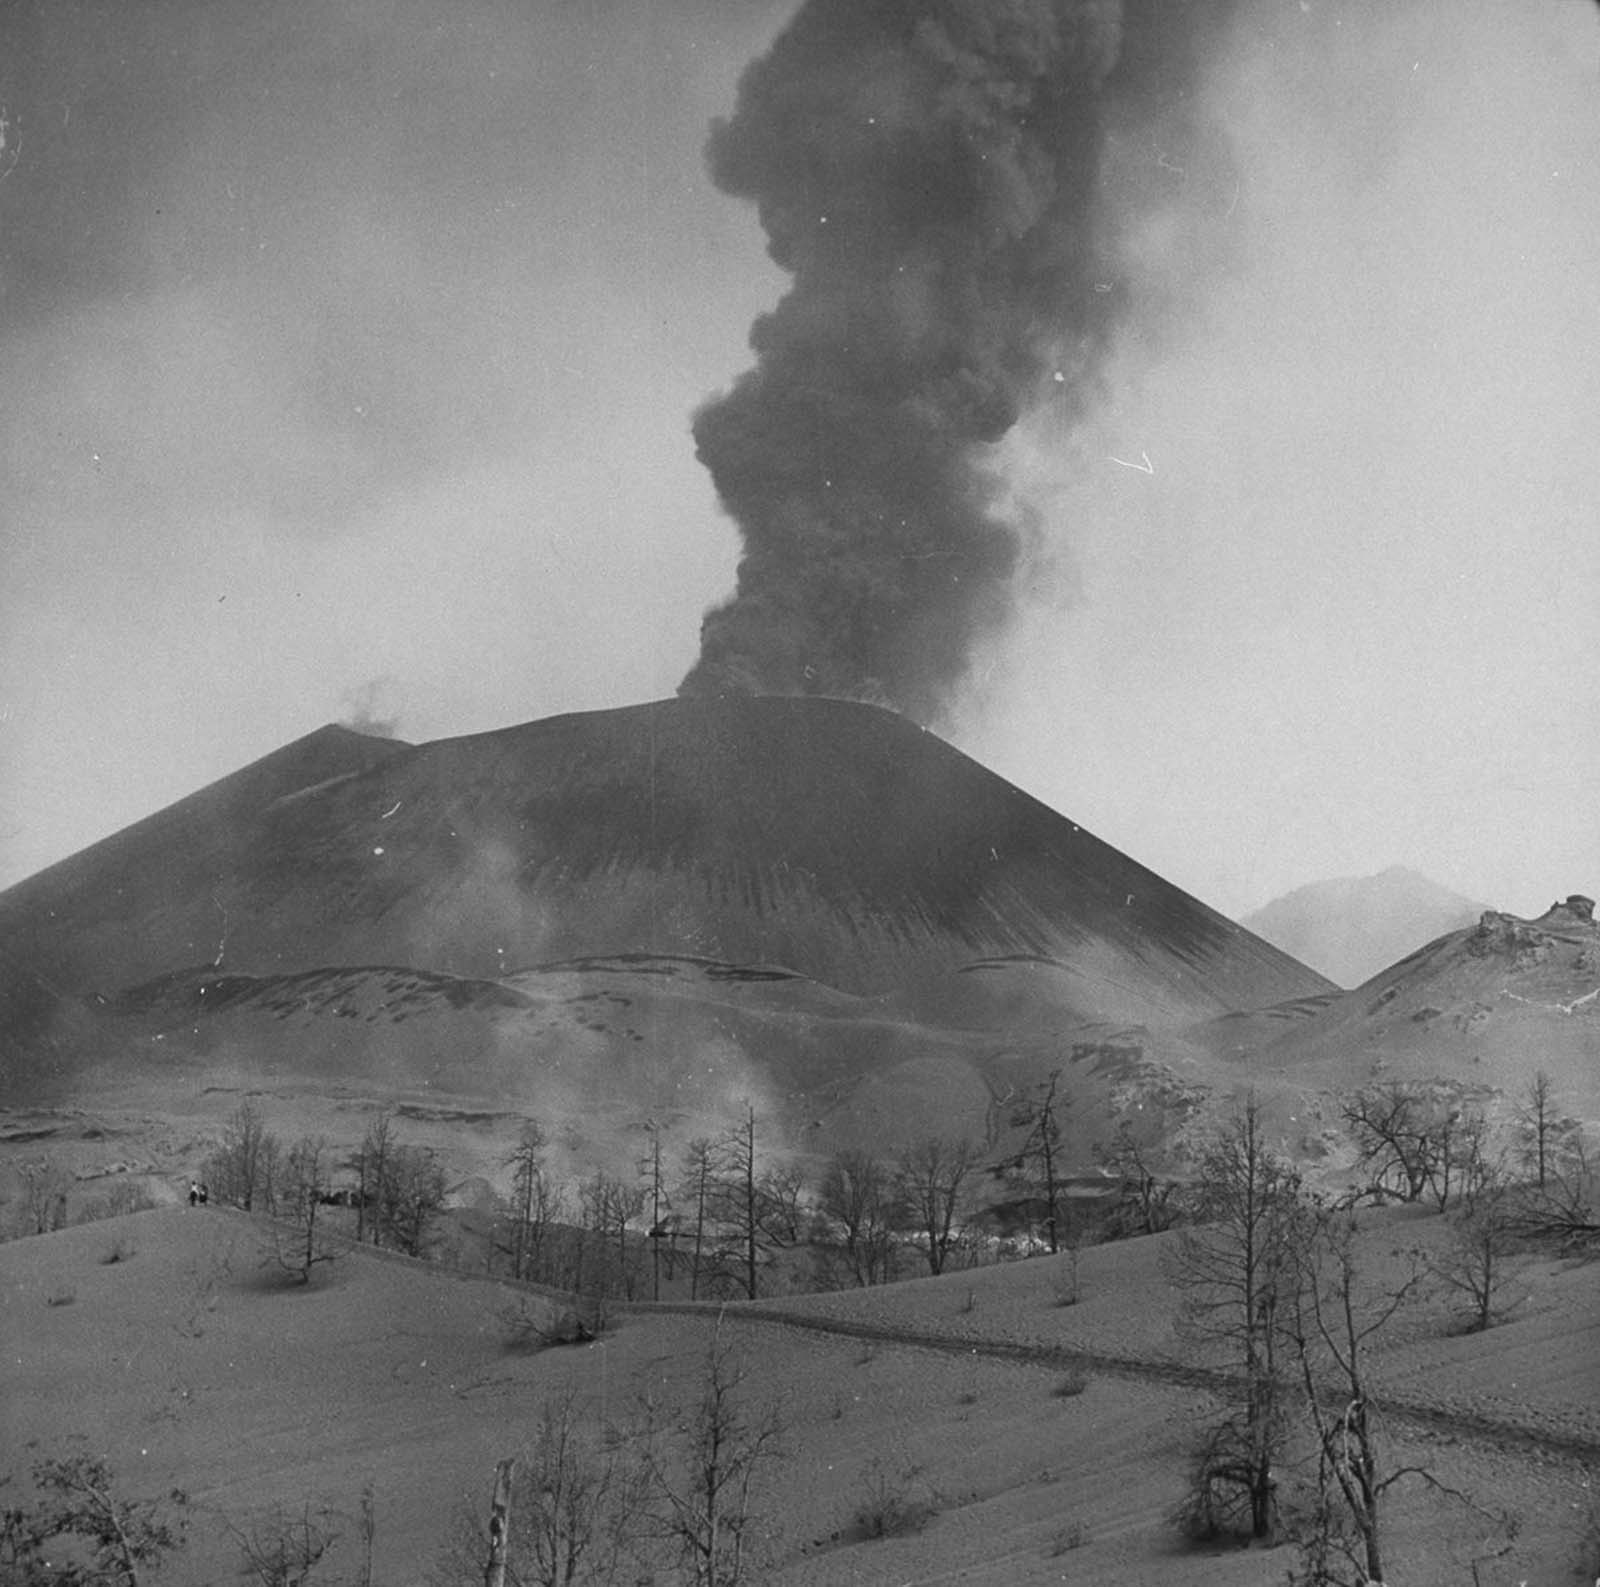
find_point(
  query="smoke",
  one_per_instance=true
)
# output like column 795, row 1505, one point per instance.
column 933, row 177
column 371, row 708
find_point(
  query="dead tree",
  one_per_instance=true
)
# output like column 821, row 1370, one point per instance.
column 857, row 1199
column 305, row 1245
column 1232, row 1273
column 1331, row 1318
column 1037, row 1164
column 534, row 1202
column 704, row 1474
column 1478, row 1258
column 930, row 1178
column 701, row 1166
column 494, row 1570
column 240, row 1169
column 1147, row 1199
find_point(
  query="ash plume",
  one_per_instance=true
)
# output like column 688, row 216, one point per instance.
column 930, row 173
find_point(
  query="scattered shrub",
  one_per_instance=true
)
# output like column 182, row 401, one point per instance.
column 1068, row 1538
column 891, row 1506
column 1071, row 1386
column 121, row 1249
column 61, row 1296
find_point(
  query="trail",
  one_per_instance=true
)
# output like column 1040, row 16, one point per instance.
column 1518, row 1436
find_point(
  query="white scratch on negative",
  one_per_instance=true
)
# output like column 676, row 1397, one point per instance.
column 1145, row 467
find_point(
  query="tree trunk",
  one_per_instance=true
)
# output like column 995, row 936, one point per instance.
column 494, row 1572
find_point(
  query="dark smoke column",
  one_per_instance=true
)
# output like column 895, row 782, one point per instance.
column 926, row 171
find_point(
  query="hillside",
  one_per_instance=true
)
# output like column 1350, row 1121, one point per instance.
column 1484, row 1008
column 1043, row 1442
column 1351, row 928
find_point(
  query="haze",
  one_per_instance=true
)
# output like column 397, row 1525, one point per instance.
column 352, row 351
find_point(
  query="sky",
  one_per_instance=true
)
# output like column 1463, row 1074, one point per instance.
column 352, row 347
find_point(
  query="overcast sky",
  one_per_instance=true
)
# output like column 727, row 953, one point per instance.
column 350, row 348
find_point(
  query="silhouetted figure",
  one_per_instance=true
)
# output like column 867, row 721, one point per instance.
column 194, row 1192
column 205, row 1195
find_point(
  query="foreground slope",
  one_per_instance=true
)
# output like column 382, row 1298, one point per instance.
column 185, row 1363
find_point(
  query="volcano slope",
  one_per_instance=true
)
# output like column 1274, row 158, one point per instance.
column 806, row 902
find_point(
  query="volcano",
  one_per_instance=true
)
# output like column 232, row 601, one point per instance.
column 832, row 840
column 646, row 913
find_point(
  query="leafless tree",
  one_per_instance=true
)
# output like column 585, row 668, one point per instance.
column 656, row 1195
column 239, row 1170
column 930, row 1177
column 738, row 1194
column 857, row 1198
column 704, row 1471
column 1037, row 1164
column 1149, row 1198
column 77, row 1501
column 701, row 1170
column 1333, row 1315
column 1233, row 1272
column 306, row 1244
column 1478, row 1261
column 371, row 1166
column 284, row 1549
column 535, row 1202
column 575, row 1506
column 781, row 1195
column 410, row 1195
column 1549, row 1142
column 1417, row 1138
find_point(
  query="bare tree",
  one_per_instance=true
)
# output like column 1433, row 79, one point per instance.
column 534, row 1201
column 580, row 1504
column 78, row 1502
column 283, row 1549
column 1394, row 1137
column 1232, row 1273
column 371, row 1166
column 1332, row 1317
column 238, row 1171
column 1148, row 1197
column 1549, row 1143
column 857, row 1198
column 1417, row 1138
column 1478, row 1259
column 701, row 1168
column 305, row 1246
column 1037, row 1164
column 930, row 1177
column 410, row 1196
column 738, row 1194
column 703, row 1472
column 656, row 1193
column 780, row 1197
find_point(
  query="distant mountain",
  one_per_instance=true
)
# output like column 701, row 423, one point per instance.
column 1355, row 926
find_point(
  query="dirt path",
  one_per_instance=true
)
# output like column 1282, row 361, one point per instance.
column 1500, row 1431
